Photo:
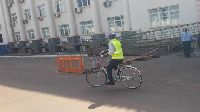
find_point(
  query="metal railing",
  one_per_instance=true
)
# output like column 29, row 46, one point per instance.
column 167, row 38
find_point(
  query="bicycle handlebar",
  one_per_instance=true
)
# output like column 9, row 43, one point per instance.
column 102, row 54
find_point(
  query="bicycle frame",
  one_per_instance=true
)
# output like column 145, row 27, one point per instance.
column 102, row 68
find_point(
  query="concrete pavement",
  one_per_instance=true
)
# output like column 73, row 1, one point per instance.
column 171, row 84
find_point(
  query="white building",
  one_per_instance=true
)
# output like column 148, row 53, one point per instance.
column 50, row 21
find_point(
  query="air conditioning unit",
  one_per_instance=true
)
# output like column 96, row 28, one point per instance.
column 78, row 10
column 107, row 3
column 57, row 15
column 12, row 24
column 21, row 1
column 9, row 4
column 43, row 50
column 40, row 18
column 25, row 21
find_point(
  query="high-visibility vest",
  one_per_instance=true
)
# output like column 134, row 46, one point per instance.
column 118, row 54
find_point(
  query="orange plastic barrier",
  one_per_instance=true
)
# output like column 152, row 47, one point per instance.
column 70, row 64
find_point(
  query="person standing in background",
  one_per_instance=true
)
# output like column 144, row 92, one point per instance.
column 186, row 38
column 198, row 40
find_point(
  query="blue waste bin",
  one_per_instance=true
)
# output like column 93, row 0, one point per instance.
column 3, row 50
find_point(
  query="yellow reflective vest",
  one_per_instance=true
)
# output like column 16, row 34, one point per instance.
column 118, row 54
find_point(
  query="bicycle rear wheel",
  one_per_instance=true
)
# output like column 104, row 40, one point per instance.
column 96, row 77
column 131, row 77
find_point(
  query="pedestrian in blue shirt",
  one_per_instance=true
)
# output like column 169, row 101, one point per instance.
column 198, row 40
column 186, row 38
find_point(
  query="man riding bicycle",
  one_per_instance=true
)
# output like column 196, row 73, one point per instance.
column 115, row 50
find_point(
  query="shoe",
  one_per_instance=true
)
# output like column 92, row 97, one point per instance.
column 110, row 83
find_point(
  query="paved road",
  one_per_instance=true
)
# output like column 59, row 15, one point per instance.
column 171, row 84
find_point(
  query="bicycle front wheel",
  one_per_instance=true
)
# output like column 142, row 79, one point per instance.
column 96, row 77
column 131, row 77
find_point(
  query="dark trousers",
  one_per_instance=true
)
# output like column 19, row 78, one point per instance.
column 187, row 48
column 112, row 64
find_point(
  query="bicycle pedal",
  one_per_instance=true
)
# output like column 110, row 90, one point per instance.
column 116, row 78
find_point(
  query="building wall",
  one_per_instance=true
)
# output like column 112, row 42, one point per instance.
column 114, row 10
column 104, row 13
column 139, row 15
column 2, row 25
column 198, row 9
column 86, row 15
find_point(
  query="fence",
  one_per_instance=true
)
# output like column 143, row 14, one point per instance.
column 70, row 64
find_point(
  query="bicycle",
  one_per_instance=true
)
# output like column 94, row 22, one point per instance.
column 129, row 75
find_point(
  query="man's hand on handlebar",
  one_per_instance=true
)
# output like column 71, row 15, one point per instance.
column 104, row 54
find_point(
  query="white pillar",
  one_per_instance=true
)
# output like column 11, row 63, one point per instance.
column 96, row 20
column 34, row 20
column 126, row 13
column 70, row 12
column 50, row 17
column 7, row 21
column 20, row 20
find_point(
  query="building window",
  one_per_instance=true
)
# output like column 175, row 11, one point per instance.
column 116, row 23
column 174, row 14
column 87, row 27
column 17, row 36
column 42, row 11
column 27, row 13
column 164, row 16
column 154, row 18
column 31, row 34
column 60, row 6
column 64, row 30
column 45, row 32
column 14, row 17
column 83, row 3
